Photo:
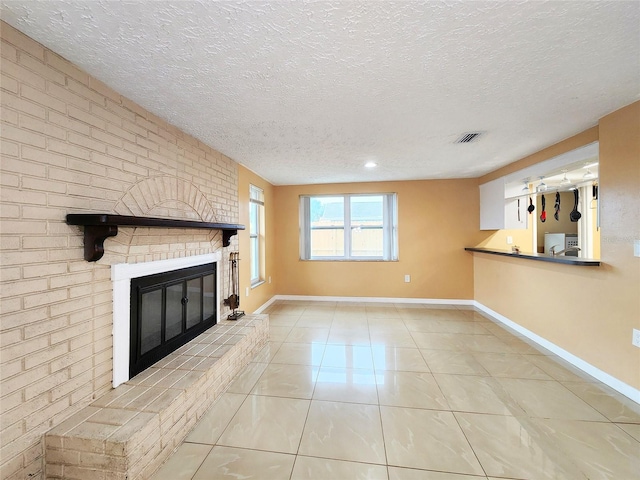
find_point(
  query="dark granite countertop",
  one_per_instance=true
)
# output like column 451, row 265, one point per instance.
column 583, row 262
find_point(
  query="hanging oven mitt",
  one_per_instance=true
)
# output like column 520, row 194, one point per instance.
column 543, row 215
column 557, row 207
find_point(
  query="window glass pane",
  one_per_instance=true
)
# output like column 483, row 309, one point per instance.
column 256, row 232
column 366, row 210
column 151, row 320
column 209, row 295
column 327, row 211
column 367, row 241
column 256, row 193
column 327, row 242
column 327, row 226
column 254, row 219
column 194, row 294
column 366, row 226
column 254, row 248
column 174, row 311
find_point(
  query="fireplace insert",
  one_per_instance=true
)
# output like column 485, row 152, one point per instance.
column 169, row 309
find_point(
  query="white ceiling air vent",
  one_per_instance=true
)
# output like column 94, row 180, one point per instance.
column 468, row 137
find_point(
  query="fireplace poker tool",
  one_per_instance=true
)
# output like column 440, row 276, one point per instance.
column 233, row 301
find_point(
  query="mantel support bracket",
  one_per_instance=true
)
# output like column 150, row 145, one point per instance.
column 226, row 237
column 94, row 237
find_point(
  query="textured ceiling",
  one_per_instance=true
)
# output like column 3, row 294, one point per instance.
column 307, row 92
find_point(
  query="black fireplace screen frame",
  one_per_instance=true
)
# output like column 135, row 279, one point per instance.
column 140, row 360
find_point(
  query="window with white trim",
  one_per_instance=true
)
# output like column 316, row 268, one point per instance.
column 256, row 234
column 348, row 227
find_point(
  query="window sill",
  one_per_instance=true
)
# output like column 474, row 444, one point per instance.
column 257, row 284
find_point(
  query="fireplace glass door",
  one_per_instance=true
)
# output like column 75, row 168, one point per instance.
column 168, row 310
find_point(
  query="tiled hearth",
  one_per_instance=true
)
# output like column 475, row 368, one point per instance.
column 130, row 431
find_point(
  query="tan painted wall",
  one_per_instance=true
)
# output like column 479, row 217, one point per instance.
column 497, row 240
column 588, row 311
column 262, row 293
column 437, row 219
column 70, row 144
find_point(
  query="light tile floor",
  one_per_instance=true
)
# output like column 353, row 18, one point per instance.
column 407, row 392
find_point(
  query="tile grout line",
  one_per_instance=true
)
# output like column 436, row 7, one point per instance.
column 535, row 427
column 306, row 418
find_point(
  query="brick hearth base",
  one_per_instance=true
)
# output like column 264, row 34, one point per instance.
column 130, row 431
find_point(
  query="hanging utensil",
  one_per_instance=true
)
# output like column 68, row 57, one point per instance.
column 594, row 194
column 575, row 215
column 518, row 210
column 543, row 214
column 531, row 208
column 557, row 207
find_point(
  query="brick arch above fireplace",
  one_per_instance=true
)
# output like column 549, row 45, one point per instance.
column 166, row 197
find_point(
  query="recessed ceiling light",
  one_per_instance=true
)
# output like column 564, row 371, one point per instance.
column 371, row 164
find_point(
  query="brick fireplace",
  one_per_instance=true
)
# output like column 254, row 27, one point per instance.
column 70, row 144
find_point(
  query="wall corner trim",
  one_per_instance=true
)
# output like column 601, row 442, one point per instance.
column 618, row 385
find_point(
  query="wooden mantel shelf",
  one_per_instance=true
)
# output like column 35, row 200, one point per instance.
column 99, row 226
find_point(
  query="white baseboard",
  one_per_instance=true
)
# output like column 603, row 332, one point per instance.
column 265, row 305
column 617, row 385
column 319, row 298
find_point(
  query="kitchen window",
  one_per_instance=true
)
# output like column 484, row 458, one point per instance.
column 348, row 227
column 256, row 234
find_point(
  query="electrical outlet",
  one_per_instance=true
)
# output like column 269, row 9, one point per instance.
column 636, row 337
column 269, row 278
column 407, row 278
column 509, row 240
column 246, row 291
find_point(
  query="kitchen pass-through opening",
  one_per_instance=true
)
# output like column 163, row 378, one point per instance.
column 169, row 309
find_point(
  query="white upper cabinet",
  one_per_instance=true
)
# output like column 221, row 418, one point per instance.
column 492, row 212
column 497, row 212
